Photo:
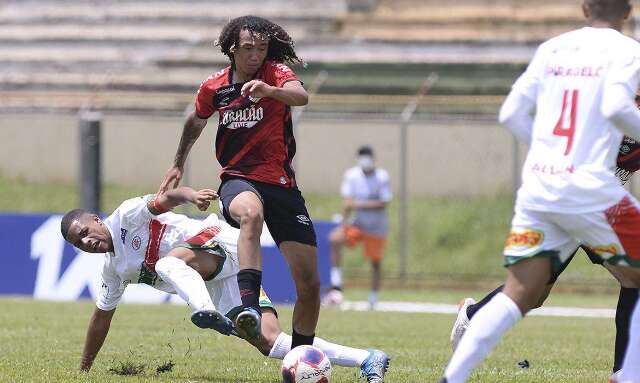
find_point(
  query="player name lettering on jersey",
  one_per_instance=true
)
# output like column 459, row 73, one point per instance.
column 242, row 118
column 552, row 169
column 584, row 71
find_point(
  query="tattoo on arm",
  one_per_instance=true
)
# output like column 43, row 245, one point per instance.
column 190, row 133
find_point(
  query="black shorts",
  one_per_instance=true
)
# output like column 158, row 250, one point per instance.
column 285, row 213
column 593, row 257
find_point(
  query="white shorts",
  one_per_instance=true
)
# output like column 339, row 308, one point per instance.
column 613, row 234
column 225, row 295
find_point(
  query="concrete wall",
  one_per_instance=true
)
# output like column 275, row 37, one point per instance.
column 456, row 157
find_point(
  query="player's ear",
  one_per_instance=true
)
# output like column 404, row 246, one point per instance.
column 585, row 10
column 628, row 14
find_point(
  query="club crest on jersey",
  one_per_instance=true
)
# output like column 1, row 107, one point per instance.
column 136, row 242
column 242, row 118
column 523, row 240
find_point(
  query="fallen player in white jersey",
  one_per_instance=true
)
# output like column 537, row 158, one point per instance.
column 144, row 242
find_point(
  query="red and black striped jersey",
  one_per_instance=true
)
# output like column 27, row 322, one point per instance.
column 255, row 136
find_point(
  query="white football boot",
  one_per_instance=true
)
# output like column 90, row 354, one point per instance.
column 462, row 322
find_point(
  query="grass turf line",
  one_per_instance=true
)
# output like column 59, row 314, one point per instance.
column 42, row 342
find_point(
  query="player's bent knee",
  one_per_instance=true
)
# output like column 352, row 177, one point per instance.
column 252, row 219
column 165, row 264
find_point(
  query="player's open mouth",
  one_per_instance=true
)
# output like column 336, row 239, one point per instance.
column 95, row 245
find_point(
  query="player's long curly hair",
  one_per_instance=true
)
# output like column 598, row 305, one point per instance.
column 281, row 45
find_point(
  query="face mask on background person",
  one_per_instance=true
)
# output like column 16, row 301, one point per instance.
column 366, row 163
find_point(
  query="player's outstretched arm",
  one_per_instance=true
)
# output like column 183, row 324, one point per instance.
column 292, row 93
column 193, row 126
column 96, row 334
column 618, row 106
column 180, row 196
column 515, row 114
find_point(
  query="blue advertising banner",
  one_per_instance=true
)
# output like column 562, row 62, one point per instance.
column 36, row 261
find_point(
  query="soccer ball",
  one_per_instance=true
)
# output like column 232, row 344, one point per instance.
column 306, row 364
column 333, row 298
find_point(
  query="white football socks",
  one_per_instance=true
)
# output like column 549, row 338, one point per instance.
column 630, row 372
column 484, row 332
column 186, row 281
column 336, row 277
column 337, row 354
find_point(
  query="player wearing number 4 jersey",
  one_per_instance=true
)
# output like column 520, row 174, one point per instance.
column 628, row 163
column 581, row 85
column 145, row 243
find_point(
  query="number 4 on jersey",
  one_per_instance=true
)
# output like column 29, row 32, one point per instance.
column 561, row 129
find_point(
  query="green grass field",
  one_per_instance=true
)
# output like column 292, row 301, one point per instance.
column 454, row 242
column 42, row 342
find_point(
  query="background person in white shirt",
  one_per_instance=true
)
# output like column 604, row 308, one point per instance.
column 581, row 86
column 366, row 192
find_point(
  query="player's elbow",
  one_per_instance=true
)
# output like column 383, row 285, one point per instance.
column 623, row 116
column 505, row 118
column 301, row 100
column 511, row 112
column 612, row 111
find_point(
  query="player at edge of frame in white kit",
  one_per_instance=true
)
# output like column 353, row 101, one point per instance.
column 581, row 86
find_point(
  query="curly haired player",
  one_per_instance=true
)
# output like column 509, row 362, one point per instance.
column 255, row 146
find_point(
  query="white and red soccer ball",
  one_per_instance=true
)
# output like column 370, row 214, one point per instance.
column 306, row 364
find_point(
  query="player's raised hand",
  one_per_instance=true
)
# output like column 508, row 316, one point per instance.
column 202, row 198
column 256, row 89
column 174, row 174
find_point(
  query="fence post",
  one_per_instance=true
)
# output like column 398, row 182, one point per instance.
column 90, row 181
column 403, row 217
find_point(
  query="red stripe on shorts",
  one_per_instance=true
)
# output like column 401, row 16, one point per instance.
column 624, row 218
column 156, row 231
column 204, row 236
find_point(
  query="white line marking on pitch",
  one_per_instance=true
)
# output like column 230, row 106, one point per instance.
column 440, row 308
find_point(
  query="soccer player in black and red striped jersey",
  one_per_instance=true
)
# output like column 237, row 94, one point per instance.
column 253, row 97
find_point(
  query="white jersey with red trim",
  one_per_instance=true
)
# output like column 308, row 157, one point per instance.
column 140, row 238
column 572, row 159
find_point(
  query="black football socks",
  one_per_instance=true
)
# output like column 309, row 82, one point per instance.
column 626, row 303
column 473, row 309
column 299, row 339
column 249, row 282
